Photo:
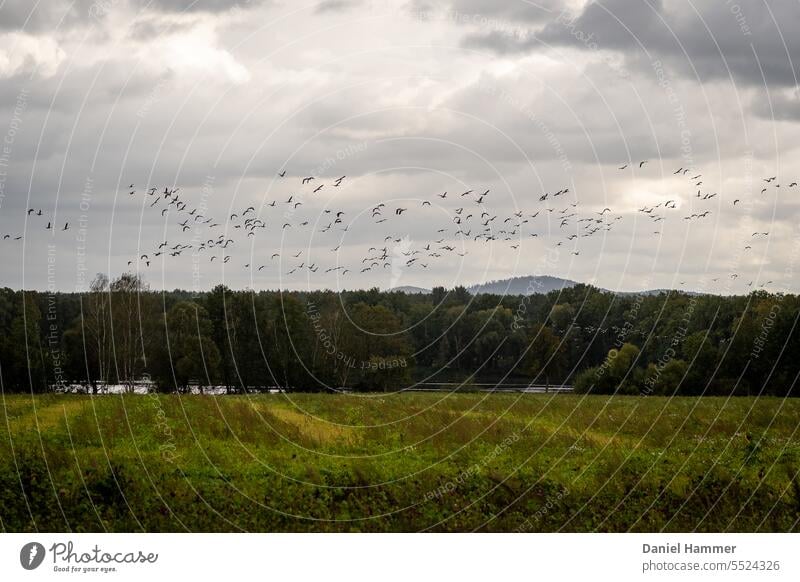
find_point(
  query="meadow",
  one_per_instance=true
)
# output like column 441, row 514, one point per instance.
column 398, row 462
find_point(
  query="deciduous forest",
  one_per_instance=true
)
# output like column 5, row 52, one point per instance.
column 121, row 332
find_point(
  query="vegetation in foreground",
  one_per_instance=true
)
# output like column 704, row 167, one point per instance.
column 398, row 462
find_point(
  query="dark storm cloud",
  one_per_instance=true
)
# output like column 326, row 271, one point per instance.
column 750, row 41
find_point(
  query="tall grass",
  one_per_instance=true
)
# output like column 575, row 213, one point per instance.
column 403, row 462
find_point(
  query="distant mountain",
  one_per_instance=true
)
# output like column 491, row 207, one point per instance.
column 651, row 292
column 530, row 285
column 411, row 290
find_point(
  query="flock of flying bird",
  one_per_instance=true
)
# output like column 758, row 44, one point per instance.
column 471, row 221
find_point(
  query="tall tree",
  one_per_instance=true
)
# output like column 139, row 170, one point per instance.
column 188, row 355
column 129, row 303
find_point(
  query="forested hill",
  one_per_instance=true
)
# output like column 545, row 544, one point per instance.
column 523, row 285
column 512, row 286
column 372, row 340
column 529, row 285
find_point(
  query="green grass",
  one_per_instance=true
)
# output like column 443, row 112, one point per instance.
column 403, row 462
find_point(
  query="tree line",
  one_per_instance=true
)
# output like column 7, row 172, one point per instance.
column 121, row 332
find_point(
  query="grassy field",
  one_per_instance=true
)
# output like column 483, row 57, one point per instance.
column 406, row 462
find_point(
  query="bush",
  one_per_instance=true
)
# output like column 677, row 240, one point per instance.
column 586, row 381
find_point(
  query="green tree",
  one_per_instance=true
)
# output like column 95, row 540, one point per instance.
column 216, row 307
column 129, row 303
column 546, row 355
column 665, row 379
column 189, row 354
column 24, row 368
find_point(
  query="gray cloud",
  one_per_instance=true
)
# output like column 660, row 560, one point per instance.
column 781, row 106
column 336, row 6
column 194, row 5
column 394, row 102
column 37, row 17
column 55, row 15
column 150, row 27
column 490, row 12
column 709, row 41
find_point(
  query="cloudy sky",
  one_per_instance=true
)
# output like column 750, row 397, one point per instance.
column 408, row 99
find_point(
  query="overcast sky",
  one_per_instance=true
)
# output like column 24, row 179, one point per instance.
column 408, row 99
